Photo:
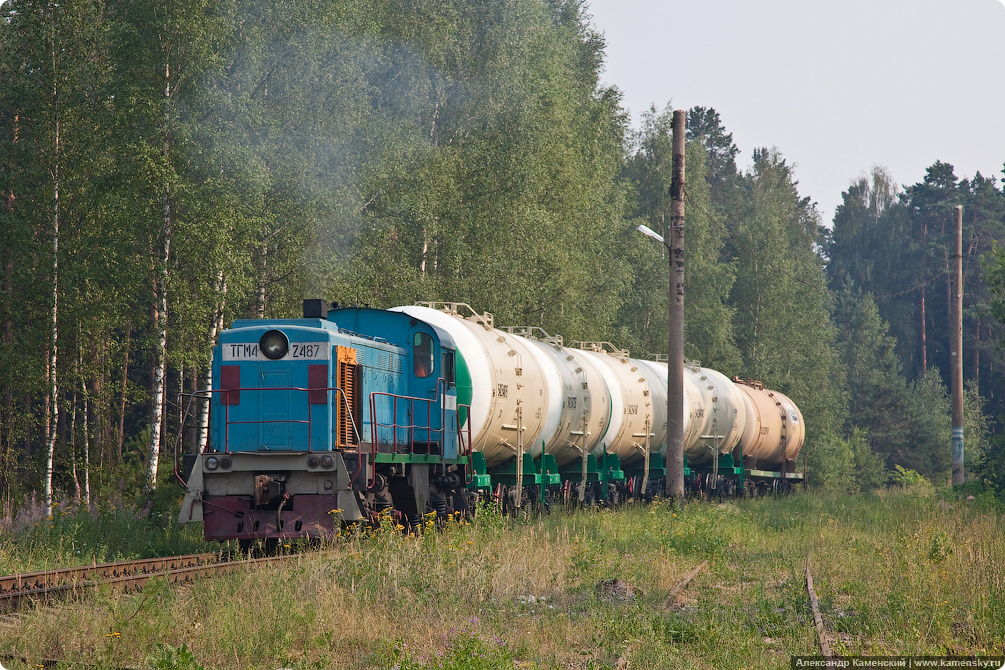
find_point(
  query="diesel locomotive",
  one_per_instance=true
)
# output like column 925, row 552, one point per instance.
column 348, row 413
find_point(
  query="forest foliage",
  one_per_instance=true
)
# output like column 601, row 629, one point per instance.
column 166, row 169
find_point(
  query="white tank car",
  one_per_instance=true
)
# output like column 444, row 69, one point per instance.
column 713, row 409
column 774, row 430
column 720, row 424
column 656, row 373
column 580, row 408
column 631, row 414
column 572, row 400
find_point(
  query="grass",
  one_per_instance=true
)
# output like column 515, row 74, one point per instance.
column 900, row 572
column 36, row 538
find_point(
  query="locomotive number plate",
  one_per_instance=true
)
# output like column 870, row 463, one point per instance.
column 299, row 351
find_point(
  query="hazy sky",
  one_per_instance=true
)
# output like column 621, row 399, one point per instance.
column 836, row 86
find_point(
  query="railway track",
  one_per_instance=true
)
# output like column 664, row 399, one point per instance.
column 34, row 587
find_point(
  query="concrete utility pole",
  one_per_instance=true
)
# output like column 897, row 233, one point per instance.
column 675, row 353
column 957, row 352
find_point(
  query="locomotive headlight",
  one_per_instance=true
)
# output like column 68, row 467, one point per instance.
column 327, row 462
column 212, row 463
column 274, row 345
column 312, row 462
column 226, row 462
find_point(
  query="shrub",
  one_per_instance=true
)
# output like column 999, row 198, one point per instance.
column 911, row 479
column 831, row 464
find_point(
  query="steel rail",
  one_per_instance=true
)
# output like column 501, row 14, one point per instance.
column 128, row 574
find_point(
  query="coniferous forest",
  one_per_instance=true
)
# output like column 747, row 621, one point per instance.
column 166, row 168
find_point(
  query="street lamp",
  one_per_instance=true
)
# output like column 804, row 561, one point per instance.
column 649, row 232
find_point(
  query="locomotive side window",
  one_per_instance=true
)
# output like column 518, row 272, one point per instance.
column 448, row 367
column 422, row 355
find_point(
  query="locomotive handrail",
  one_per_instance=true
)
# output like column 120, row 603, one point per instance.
column 470, row 470
column 601, row 348
column 533, row 332
column 208, row 393
column 376, row 425
column 181, row 431
column 461, row 430
column 348, row 412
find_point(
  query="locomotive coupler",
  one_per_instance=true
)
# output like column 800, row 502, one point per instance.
column 268, row 488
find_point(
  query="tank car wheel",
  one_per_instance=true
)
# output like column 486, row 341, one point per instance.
column 503, row 496
column 613, row 496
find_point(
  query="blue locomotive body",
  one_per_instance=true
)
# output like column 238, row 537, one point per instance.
column 303, row 409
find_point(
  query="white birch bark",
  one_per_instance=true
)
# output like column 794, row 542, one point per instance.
column 220, row 290
column 160, row 354
column 52, row 424
column 73, row 449
column 157, row 387
column 87, row 445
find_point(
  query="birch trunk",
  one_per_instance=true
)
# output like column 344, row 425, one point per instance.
column 160, row 354
column 7, row 411
column 73, row 449
column 87, row 450
column 220, row 290
column 53, row 414
column 125, row 379
column 262, row 279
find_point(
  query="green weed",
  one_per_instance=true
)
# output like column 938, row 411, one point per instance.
column 897, row 572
